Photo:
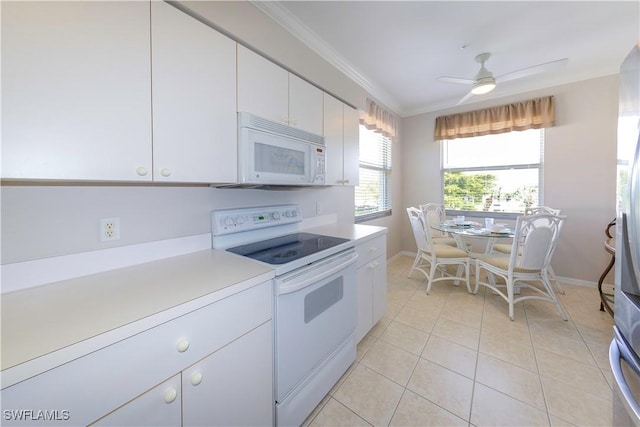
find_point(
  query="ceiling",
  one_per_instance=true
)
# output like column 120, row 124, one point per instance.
column 397, row 50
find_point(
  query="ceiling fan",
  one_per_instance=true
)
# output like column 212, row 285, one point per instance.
column 484, row 81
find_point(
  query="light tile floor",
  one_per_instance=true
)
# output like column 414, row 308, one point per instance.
column 455, row 359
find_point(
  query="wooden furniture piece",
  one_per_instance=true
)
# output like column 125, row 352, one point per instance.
column 606, row 298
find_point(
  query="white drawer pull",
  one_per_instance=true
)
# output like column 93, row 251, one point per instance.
column 196, row 378
column 182, row 345
column 142, row 171
column 165, row 172
column 170, row 395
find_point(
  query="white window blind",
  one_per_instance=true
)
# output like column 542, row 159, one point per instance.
column 373, row 195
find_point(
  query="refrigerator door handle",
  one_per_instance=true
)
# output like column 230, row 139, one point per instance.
column 617, row 352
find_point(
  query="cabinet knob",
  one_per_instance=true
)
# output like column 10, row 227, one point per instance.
column 182, row 345
column 372, row 265
column 142, row 171
column 345, row 181
column 170, row 395
column 165, row 172
column 373, row 249
column 196, row 378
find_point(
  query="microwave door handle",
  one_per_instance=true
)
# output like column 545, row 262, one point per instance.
column 617, row 352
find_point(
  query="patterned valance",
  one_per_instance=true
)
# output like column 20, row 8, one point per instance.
column 533, row 114
column 379, row 120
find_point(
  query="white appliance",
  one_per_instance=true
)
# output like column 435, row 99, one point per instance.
column 315, row 308
column 624, row 352
column 271, row 153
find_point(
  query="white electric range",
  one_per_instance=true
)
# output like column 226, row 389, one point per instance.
column 315, row 311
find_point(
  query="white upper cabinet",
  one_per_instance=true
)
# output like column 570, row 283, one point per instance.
column 342, row 138
column 305, row 105
column 269, row 91
column 194, row 99
column 76, row 91
column 263, row 87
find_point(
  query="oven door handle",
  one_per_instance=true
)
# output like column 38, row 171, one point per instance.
column 309, row 277
column 618, row 351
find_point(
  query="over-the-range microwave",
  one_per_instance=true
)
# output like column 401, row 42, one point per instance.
column 271, row 153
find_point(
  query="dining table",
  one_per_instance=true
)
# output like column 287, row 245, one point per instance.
column 470, row 229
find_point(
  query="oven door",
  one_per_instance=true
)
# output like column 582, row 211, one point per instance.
column 315, row 313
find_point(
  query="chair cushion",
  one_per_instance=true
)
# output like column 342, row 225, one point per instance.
column 445, row 241
column 446, row 251
column 503, row 248
column 502, row 262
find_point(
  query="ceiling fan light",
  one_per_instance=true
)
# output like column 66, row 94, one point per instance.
column 483, row 86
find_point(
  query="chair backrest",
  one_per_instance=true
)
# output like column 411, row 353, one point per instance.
column 434, row 214
column 418, row 226
column 536, row 237
column 541, row 209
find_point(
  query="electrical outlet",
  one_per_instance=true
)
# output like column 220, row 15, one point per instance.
column 109, row 229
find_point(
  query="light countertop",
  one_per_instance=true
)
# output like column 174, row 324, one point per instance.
column 47, row 325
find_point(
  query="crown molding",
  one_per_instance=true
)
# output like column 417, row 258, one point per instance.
column 288, row 21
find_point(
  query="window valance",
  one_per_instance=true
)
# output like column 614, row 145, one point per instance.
column 533, row 114
column 379, row 120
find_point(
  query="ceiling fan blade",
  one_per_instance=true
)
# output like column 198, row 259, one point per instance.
column 465, row 98
column 535, row 69
column 458, row 80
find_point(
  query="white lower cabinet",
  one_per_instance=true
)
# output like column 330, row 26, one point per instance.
column 227, row 388
column 159, row 407
column 372, row 283
column 231, row 386
column 228, row 343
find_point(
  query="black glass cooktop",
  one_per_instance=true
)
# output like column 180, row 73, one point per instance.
column 291, row 247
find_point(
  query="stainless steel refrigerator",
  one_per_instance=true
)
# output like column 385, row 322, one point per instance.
column 624, row 352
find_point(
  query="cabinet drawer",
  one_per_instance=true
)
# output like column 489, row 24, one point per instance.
column 93, row 385
column 371, row 249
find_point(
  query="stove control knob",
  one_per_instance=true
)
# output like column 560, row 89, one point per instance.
column 239, row 220
column 275, row 216
column 228, row 221
column 288, row 214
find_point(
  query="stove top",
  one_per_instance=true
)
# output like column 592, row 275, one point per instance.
column 284, row 249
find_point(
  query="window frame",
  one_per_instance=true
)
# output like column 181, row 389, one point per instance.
column 385, row 169
column 495, row 214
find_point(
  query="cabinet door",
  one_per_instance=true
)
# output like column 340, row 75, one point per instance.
column 333, row 137
column 263, row 87
column 159, row 407
column 305, row 105
column 194, row 99
column 76, row 90
column 351, row 150
column 233, row 386
column 379, row 289
column 365, row 301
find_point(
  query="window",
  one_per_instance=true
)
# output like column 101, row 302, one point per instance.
column 493, row 173
column 373, row 195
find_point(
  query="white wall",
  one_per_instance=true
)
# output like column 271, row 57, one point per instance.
column 43, row 221
column 579, row 169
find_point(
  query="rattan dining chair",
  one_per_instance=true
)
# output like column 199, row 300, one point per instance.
column 433, row 256
column 434, row 214
column 533, row 245
column 505, row 248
